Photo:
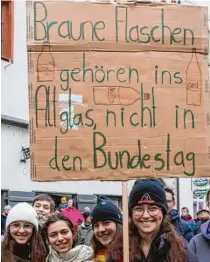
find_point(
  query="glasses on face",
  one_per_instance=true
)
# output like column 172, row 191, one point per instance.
column 152, row 211
column 18, row 226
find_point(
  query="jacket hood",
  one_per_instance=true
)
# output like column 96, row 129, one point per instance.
column 80, row 253
column 173, row 214
column 205, row 230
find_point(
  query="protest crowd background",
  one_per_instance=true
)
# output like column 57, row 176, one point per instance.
column 46, row 232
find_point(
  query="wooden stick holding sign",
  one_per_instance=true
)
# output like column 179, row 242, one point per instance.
column 125, row 222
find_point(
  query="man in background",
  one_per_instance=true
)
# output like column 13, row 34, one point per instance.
column 202, row 217
column 188, row 218
column 85, row 231
column 4, row 218
column 44, row 206
column 180, row 225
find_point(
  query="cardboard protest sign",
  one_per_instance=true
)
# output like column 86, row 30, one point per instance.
column 118, row 92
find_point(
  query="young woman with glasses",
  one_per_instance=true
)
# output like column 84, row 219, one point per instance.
column 152, row 238
column 22, row 241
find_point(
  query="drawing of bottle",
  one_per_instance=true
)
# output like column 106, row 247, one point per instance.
column 45, row 64
column 116, row 95
column 193, row 81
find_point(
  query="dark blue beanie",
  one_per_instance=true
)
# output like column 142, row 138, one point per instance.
column 106, row 210
column 148, row 191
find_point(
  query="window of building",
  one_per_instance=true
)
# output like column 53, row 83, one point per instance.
column 7, row 32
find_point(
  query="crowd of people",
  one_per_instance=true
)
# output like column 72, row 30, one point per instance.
column 157, row 233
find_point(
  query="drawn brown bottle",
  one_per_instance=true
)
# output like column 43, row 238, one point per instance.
column 116, row 95
column 193, row 81
column 45, row 64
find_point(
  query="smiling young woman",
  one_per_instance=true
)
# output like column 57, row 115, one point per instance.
column 22, row 241
column 107, row 224
column 152, row 238
column 60, row 233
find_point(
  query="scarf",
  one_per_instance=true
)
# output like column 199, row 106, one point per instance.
column 42, row 220
column 80, row 253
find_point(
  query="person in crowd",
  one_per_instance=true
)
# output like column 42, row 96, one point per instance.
column 85, row 231
column 44, row 206
column 86, row 209
column 63, row 204
column 22, row 241
column 199, row 246
column 152, row 238
column 72, row 213
column 188, row 218
column 59, row 233
column 106, row 221
column 181, row 226
column 4, row 218
column 203, row 216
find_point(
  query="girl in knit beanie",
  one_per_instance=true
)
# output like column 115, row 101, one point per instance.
column 22, row 242
column 107, row 224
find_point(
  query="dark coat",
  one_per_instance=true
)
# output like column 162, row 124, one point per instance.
column 3, row 224
column 199, row 246
column 188, row 218
column 21, row 253
column 158, row 252
column 181, row 226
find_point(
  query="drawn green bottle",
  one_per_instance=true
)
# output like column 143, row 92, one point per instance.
column 45, row 64
column 193, row 81
column 116, row 95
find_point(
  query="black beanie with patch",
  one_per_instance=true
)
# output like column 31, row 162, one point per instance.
column 148, row 191
column 106, row 210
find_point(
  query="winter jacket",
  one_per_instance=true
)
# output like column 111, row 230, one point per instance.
column 79, row 253
column 3, row 223
column 199, row 246
column 158, row 251
column 85, row 233
column 73, row 215
column 63, row 205
column 188, row 218
column 21, row 253
column 181, row 226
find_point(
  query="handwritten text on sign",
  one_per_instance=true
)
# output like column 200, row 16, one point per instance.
column 116, row 98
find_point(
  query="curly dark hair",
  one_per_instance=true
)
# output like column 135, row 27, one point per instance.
column 37, row 248
column 55, row 218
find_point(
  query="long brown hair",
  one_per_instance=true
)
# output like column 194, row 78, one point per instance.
column 135, row 252
column 97, row 246
column 38, row 251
